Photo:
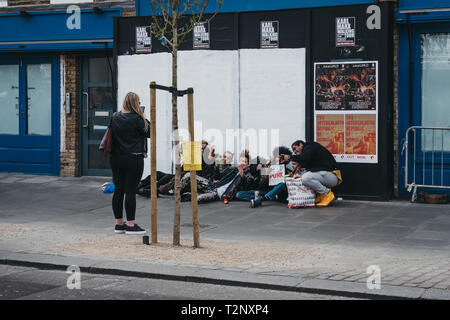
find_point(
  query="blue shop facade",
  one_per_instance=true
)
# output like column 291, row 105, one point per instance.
column 37, row 110
column 423, row 96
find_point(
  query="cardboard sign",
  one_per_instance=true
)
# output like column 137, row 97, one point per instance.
column 192, row 155
column 276, row 174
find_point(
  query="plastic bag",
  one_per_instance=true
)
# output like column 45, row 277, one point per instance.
column 299, row 194
column 108, row 187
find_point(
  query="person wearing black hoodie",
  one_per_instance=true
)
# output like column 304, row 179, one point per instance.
column 322, row 174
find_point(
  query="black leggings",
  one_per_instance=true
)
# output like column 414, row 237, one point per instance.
column 127, row 173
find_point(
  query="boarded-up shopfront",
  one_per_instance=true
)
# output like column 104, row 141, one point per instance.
column 321, row 74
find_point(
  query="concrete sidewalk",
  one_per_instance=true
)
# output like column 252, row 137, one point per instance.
column 54, row 222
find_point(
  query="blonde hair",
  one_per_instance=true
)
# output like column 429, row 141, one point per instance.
column 131, row 104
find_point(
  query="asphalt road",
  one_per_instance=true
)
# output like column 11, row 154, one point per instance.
column 24, row 283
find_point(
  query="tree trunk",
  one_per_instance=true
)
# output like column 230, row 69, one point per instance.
column 176, row 138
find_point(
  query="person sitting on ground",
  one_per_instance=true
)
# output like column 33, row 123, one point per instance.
column 248, row 178
column 323, row 172
column 208, row 161
column 264, row 192
column 233, row 178
column 222, row 162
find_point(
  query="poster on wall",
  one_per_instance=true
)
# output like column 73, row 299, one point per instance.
column 330, row 132
column 201, row 35
column 269, row 34
column 143, row 39
column 345, row 32
column 346, row 110
column 360, row 137
column 346, row 86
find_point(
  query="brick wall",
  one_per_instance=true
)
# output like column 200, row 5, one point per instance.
column 69, row 157
column 395, row 115
column 129, row 13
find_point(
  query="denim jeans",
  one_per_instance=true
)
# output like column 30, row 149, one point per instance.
column 271, row 195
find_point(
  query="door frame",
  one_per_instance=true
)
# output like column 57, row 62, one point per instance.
column 410, row 112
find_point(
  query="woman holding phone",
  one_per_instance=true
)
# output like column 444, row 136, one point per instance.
column 129, row 132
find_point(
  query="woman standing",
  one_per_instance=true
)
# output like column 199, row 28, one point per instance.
column 130, row 130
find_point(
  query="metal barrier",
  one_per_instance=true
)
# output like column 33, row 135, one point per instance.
column 429, row 158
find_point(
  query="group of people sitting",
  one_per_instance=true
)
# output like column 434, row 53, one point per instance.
column 222, row 179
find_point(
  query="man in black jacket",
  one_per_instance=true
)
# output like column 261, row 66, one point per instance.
column 322, row 169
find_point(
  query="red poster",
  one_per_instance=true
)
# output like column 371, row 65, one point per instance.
column 330, row 132
column 360, row 134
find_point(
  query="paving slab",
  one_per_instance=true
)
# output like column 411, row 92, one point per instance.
column 361, row 289
column 407, row 240
column 433, row 294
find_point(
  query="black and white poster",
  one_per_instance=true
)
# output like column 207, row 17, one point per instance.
column 345, row 32
column 269, row 34
column 143, row 39
column 201, row 35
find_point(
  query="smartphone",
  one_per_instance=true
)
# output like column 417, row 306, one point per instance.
column 143, row 108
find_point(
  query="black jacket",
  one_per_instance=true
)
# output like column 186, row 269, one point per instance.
column 315, row 157
column 128, row 134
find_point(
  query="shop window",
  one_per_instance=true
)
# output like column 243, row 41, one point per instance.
column 39, row 95
column 435, row 59
column 9, row 99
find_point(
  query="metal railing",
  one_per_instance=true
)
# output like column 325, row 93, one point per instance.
column 427, row 160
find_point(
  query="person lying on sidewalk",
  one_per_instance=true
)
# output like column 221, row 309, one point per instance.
column 207, row 173
column 144, row 187
column 323, row 172
column 264, row 192
column 233, row 178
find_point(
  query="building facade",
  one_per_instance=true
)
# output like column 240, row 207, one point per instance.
column 311, row 70
column 423, row 94
column 56, row 83
column 316, row 70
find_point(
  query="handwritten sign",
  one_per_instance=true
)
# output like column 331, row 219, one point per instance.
column 276, row 174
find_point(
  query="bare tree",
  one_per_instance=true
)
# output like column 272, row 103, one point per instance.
column 172, row 21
